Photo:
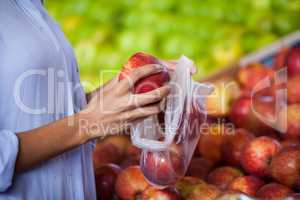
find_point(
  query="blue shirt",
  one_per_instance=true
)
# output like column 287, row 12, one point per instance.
column 39, row 84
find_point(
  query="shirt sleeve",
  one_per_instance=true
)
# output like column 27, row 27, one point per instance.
column 80, row 100
column 9, row 147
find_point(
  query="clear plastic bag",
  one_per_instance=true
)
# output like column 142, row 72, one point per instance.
column 168, row 148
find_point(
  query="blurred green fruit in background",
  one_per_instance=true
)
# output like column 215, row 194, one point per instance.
column 214, row 33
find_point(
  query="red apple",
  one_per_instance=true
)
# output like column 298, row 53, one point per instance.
column 232, row 149
column 110, row 150
column 130, row 161
column 245, row 113
column 234, row 195
column 120, row 141
column 199, row 167
column 218, row 103
column 210, row 142
column 246, row 184
column 132, row 151
column 130, row 183
column 106, row 153
column 290, row 143
column 280, row 59
column 204, row 192
column 249, row 76
column 295, row 196
column 273, row 191
column 293, row 61
column 105, row 180
column 292, row 121
column 285, row 167
column 240, row 111
column 195, row 119
column 258, row 154
column 186, row 182
column 185, row 185
column 152, row 193
column 148, row 83
column 192, row 188
column 222, row 176
column 163, row 168
column 293, row 89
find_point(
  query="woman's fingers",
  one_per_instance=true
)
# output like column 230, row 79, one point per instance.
column 138, row 74
column 140, row 113
column 111, row 84
column 150, row 97
column 108, row 86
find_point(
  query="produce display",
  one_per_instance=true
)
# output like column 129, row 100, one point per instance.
column 249, row 160
column 214, row 33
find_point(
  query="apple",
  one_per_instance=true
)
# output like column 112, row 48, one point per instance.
column 285, row 167
column 192, row 188
column 246, row 184
column 210, row 142
column 130, row 161
column 273, row 191
column 130, row 183
column 132, row 151
column 280, row 59
column 291, row 117
column 120, row 141
column 240, row 111
column 290, row 143
column 295, row 196
column 196, row 153
column 195, row 118
column 218, row 103
column 163, row 168
column 106, row 153
column 250, row 75
column 293, row 61
column 110, row 150
column 234, row 196
column 186, row 184
column 204, row 192
column 106, row 177
column 152, row 193
column 199, row 167
column 293, row 89
column 232, row 149
column 245, row 114
column 149, row 83
column 158, row 161
column 222, row 176
column 258, row 154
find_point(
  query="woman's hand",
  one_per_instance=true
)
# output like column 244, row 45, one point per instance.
column 110, row 111
column 170, row 64
column 114, row 107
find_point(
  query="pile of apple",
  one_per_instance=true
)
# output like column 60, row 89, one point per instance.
column 238, row 155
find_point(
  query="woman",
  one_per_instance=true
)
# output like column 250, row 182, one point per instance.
column 47, row 123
